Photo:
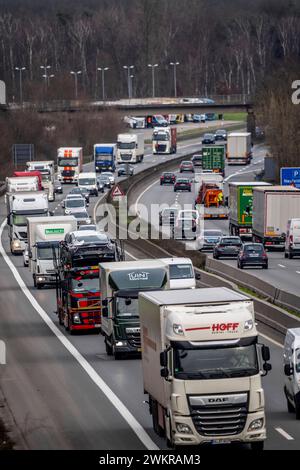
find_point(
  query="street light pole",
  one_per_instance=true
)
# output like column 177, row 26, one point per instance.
column 153, row 67
column 131, row 85
column 78, row 72
column 174, row 64
column 20, row 70
column 128, row 68
column 103, row 70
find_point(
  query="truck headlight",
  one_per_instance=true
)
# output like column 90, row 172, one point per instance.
column 178, row 330
column 256, row 424
column 183, row 428
column 248, row 325
column 88, row 221
column 121, row 343
column 76, row 318
column 16, row 244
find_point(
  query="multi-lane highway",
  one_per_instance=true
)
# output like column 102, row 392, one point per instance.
column 64, row 391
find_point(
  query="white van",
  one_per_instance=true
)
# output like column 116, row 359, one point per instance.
column 88, row 181
column 181, row 271
column 291, row 361
column 292, row 241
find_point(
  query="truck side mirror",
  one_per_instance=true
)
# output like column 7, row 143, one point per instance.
column 104, row 303
column 164, row 373
column 105, row 312
column 288, row 370
column 51, row 213
column 267, row 367
column 8, row 220
column 198, row 276
column 163, row 359
column 265, row 352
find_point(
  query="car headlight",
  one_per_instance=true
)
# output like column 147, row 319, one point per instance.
column 183, row 428
column 256, row 424
column 88, row 221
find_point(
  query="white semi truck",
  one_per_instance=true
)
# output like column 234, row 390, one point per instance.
column 202, row 366
column 239, row 148
column 130, row 148
column 164, row 140
column 44, row 236
column 46, row 168
column 19, row 207
column 69, row 164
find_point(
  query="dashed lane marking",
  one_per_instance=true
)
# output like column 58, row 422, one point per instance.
column 284, row 434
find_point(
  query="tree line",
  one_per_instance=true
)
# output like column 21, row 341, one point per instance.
column 223, row 46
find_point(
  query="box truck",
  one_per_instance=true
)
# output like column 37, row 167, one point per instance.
column 44, row 236
column 213, row 158
column 130, row 148
column 273, row 206
column 69, row 164
column 239, row 148
column 202, row 366
column 164, row 140
column 241, row 207
column 105, row 157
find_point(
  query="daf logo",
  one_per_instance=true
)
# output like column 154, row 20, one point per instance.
column 217, row 400
column 138, row 276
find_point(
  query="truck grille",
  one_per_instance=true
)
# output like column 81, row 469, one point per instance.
column 161, row 148
column 68, row 173
column 221, row 419
column 134, row 339
column 125, row 157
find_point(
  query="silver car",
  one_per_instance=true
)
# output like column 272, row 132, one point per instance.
column 110, row 176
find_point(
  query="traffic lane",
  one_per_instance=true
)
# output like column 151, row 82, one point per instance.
column 283, row 430
column 124, row 377
column 54, row 403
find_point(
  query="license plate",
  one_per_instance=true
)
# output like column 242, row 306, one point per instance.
column 218, row 442
column 253, row 256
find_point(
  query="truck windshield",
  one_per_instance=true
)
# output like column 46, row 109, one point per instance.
column 21, row 220
column 67, row 161
column 126, row 145
column 87, row 181
column 195, row 364
column 127, row 307
column 46, row 253
column 160, row 137
column 181, row 271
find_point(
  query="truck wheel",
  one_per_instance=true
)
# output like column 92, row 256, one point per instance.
column 257, row 446
column 108, row 348
column 290, row 255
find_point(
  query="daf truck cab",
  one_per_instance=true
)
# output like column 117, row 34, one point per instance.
column 44, row 236
column 164, row 140
column 203, row 366
column 17, row 184
column 130, row 148
column 19, row 207
column 69, row 164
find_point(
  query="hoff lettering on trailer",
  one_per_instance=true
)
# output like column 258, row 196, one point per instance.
column 218, row 327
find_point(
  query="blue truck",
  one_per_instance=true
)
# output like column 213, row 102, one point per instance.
column 105, row 157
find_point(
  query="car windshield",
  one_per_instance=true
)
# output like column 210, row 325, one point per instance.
column 212, row 233
column 78, row 202
column 127, row 307
column 230, row 241
column 67, row 161
column 208, row 136
column 186, row 163
column 108, row 174
column 126, row 145
column 92, row 238
column 181, row 180
column 181, row 271
column 237, row 361
column 103, row 157
column 103, row 178
column 168, row 175
column 75, row 191
column 46, row 253
column 86, row 181
column 254, row 249
column 80, row 215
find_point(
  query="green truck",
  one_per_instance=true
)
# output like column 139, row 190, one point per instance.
column 213, row 158
column 240, row 207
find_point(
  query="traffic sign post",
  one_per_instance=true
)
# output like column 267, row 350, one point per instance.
column 290, row 177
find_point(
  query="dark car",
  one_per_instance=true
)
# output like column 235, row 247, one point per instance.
column 168, row 216
column 183, row 184
column 125, row 170
column 197, row 159
column 103, row 179
column 220, row 134
column 81, row 192
column 228, row 247
column 208, row 139
column 252, row 254
column 58, row 188
column 167, row 178
column 187, row 166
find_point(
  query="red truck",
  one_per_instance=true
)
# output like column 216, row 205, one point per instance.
column 23, row 174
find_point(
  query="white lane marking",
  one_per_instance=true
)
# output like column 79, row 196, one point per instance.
column 281, row 266
column 284, row 434
column 130, row 255
column 99, row 382
column 142, row 194
column 237, row 173
column 297, row 272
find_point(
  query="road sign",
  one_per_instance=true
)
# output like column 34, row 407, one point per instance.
column 22, row 153
column 117, row 192
column 290, row 176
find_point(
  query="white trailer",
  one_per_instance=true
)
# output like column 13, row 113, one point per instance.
column 21, row 184
column 69, row 164
column 202, row 366
column 19, row 207
column 46, row 168
column 273, row 206
column 44, row 235
column 239, row 148
column 130, row 148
